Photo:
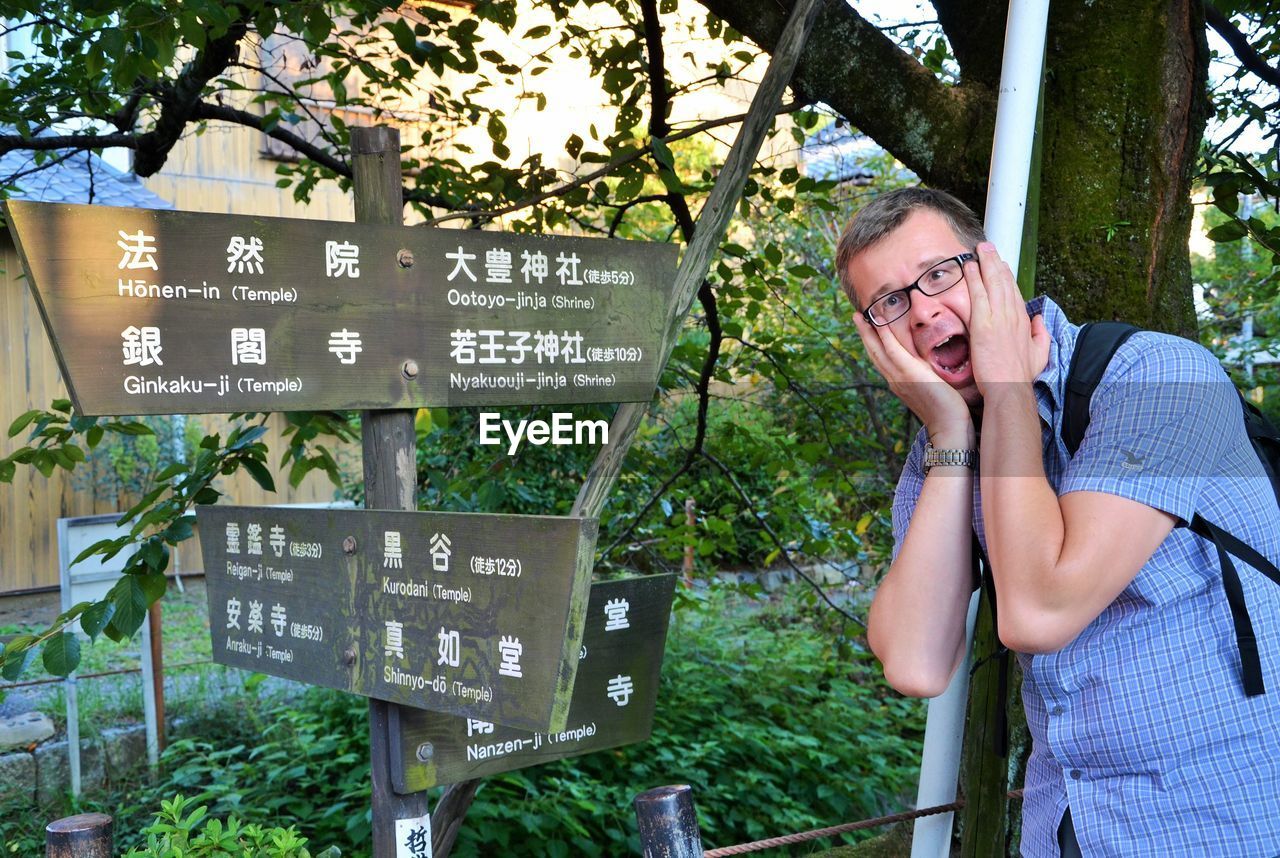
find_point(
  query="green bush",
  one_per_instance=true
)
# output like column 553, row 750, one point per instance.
column 177, row 834
column 775, row 727
column 778, row 723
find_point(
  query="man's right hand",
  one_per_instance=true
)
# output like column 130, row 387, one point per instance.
column 939, row 406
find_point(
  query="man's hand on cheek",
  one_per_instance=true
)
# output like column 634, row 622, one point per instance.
column 912, row 379
column 1005, row 345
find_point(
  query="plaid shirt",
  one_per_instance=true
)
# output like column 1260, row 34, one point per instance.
column 1140, row 724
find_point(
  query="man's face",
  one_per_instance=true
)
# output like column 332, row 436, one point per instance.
column 935, row 328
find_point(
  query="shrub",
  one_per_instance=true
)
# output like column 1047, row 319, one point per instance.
column 176, row 834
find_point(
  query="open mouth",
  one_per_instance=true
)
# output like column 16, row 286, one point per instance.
column 951, row 356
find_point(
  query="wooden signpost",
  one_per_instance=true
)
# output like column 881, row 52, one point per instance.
column 612, row 704
column 159, row 312
column 476, row 615
column 479, row 617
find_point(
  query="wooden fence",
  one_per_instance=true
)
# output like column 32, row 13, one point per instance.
column 31, row 505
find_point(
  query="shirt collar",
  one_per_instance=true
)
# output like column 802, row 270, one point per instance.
column 1049, row 383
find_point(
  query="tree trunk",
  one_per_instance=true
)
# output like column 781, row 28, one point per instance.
column 1125, row 112
column 1125, row 108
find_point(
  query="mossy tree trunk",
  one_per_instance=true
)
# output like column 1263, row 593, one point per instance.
column 1125, row 107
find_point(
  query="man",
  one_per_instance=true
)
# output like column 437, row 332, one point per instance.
column 1144, row 742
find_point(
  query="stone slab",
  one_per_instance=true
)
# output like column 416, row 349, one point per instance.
column 24, row 730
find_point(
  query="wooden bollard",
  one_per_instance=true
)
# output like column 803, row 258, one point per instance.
column 87, row 835
column 668, row 823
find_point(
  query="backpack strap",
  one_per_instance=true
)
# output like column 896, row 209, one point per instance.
column 1246, row 640
column 982, row 569
column 1096, row 344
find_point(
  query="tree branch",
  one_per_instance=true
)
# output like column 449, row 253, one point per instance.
column 942, row 133
column 79, row 142
column 322, row 156
column 975, row 29
column 1245, row 53
column 609, row 167
column 179, row 100
column 783, row 552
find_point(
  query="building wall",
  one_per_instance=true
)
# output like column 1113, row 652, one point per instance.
column 31, row 505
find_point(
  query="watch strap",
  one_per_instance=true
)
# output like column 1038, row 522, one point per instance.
column 934, row 456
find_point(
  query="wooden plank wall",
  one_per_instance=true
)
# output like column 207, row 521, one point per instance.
column 31, row 505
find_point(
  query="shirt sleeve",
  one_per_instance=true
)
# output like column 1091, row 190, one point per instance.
column 1161, row 419
column 910, row 482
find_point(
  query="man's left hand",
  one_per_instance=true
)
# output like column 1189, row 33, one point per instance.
column 1005, row 345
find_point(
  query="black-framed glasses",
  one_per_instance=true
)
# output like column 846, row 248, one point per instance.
column 938, row 279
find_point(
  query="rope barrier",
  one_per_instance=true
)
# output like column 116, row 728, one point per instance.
column 5, row 686
column 846, row 828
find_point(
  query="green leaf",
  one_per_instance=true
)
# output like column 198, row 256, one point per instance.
column 299, row 471
column 153, row 587
column 147, row 500
column 207, row 495
column 97, row 548
column 96, row 617
column 573, row 145
column 130, row 603
column 403, row 35
column 61, row 654
column 132, row 428
column 663, row 154
column 170, row 472
column 180, row 529
column 1232, row 230
column 260, row 474
column 43, row 462
column 239, row 440
column 629, row 187
column 17, row 655
column 22, row 422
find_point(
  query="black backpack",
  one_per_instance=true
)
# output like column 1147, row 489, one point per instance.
column 1095, row 346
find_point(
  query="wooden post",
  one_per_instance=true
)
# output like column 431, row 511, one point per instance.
column 390, row 464
column 668, row 823
column 984, row 821
column 89, row 835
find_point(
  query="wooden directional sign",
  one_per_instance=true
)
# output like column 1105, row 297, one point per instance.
column 473, row 615
column 158, row 312
column 612, row 704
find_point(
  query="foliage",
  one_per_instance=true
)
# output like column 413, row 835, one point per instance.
column 177, row 834
column 776, row 727
column 772, row 711
column 1240, row 287
column 163, row 517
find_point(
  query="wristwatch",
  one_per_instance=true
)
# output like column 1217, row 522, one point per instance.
column 934, row 456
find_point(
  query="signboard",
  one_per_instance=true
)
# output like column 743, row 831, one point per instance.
column 612, row 703
column 473, row 615
column 158, row 312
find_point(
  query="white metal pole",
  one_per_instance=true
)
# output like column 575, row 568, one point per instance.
column 940, row 759
column 1015, row 126
column 73, row 733
column 1020, row 74
column 149, row 698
